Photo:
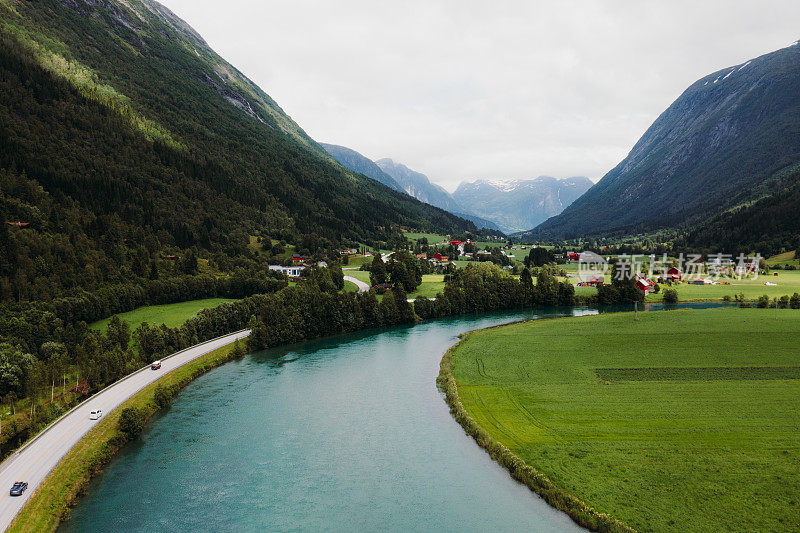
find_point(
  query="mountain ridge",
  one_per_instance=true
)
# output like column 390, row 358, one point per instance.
column 709, row 150
column 519, row 204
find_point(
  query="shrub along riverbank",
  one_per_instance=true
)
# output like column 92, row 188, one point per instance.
column 52, row 502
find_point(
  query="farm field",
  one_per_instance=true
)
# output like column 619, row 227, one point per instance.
column 433, row 238
column 172, row 315
column 686, row 420
column 787, row 282
column 432, row 284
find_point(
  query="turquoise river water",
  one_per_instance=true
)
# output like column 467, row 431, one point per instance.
column 348, row 433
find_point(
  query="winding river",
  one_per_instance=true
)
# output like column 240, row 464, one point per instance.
column 348, row 433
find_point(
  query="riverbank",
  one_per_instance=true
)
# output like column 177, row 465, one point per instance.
column 52, row 501
column 540, row 484
column 635, row 418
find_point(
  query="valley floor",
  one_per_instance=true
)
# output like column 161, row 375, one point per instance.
column 682, row 421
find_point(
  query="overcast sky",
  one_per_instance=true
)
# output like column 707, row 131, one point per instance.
column 493, row 89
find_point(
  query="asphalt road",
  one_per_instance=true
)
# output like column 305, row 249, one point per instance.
column 36, row 460
column 362, row 287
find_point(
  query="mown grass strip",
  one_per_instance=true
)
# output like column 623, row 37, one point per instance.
column 60, row 491
column 557, row 497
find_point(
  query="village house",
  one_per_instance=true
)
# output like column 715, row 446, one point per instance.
column 293, row 272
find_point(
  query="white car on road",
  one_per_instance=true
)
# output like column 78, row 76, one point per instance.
column 96, row 415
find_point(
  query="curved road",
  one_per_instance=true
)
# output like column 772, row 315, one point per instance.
column 362, row 287
column 35, row 461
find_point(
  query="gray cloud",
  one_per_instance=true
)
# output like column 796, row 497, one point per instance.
column 501, row 89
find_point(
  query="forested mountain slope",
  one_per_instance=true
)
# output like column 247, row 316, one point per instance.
column 768, row 226
column 124, row 137
column 713, row 148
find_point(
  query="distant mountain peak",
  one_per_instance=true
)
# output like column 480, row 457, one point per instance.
column 519, row 204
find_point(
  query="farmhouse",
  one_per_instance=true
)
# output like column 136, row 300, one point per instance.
column 644, row 285
column 292, row 272
column 297, row 258
column 573, row 256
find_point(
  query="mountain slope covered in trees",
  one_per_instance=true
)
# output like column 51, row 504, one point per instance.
column 125, row 138
column 718, row 145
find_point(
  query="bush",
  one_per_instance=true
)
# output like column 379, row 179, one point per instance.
column 784, row 302
column 670, row 296
column 131, row 422
column 763, row 302
column 794, row 301
column 161, row 396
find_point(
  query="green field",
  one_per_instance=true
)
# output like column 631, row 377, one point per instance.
column 787, row 283
column 433, row 238
column 357, row 260
column 683, row 421
column 172, row 315
column 786, row 258
column 432, row 284
column 349, row 286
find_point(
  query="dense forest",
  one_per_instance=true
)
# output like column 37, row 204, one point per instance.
column 117, row 150
column 768, row 226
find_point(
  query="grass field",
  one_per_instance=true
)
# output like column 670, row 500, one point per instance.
column 683, row 421
column 433, row 238
column 172, row 315
column 787, row 258
column 349, row 286
column 432, row 284
column 357, row 261
column 787, row 283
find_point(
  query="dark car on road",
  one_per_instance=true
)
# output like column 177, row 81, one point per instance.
column 18, row 488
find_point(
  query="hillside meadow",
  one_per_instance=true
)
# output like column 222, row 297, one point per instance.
column 173, row 315
column 681, row 421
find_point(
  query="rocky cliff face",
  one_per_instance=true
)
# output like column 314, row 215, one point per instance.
column 358, row 163
column 418, row 185
column 712, row 148
column 519, row 205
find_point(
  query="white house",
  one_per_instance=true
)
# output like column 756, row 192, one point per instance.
column 292, row 271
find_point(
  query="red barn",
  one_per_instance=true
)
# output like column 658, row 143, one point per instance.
column 573, row 256
column 455, row 243
column 674, row 274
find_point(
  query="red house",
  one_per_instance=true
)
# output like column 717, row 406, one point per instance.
column 19, row 224
column 644, row 285
column 573, row 256
column 455, row 243
column 673, row 274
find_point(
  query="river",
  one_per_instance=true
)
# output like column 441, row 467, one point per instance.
column 348, row 433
